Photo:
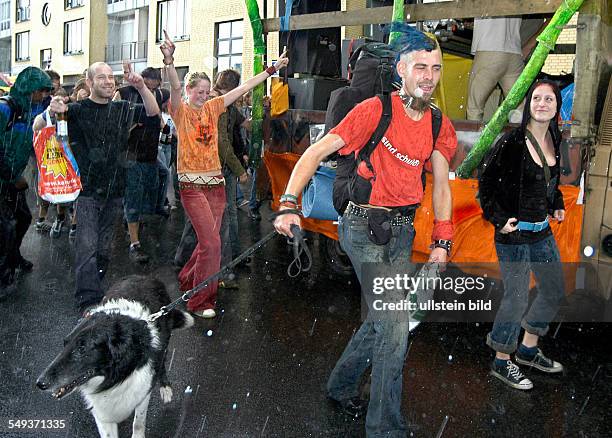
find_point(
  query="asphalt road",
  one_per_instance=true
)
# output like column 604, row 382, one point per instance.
column 260, row 367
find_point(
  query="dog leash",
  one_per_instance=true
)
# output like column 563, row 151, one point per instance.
column 299, row 248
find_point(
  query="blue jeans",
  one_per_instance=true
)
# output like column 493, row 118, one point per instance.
column 140, row 190
column 380, row 343
column 516, row 262
column 253, row 204
column 230, row 241
column 94, row 236
column 164, row 155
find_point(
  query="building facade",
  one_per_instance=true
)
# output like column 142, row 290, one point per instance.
column 5, row 36
column 69, row 35
column 63, row 35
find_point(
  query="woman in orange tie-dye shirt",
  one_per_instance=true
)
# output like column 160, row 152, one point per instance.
column 200, row 177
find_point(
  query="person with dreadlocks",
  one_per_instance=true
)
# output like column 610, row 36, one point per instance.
column 396, row 191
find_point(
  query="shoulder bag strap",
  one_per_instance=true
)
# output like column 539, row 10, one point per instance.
column 538, row 150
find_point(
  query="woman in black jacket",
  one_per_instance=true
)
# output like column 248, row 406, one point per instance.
column 519, row 195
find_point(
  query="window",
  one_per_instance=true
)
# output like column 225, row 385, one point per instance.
column 22, row 46
column 175, row 17
column 69, row 4
column 23, row 10
column 73, row 37
column 45, row 59
column 5, row 15
column 229, row 45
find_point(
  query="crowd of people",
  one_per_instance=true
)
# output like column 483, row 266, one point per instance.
column 140, row 144
column 124, row 137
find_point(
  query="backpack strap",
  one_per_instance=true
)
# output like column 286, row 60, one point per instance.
column 16, row 112
column 383, row 125
column 436, row 122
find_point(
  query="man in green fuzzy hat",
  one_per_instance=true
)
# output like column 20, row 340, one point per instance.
column 17, row 112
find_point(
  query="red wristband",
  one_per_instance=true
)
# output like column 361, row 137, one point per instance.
column 442, row 230
column 271, row 70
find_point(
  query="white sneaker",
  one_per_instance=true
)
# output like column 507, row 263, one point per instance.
column 206, row 313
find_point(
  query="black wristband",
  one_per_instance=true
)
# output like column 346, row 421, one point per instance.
column 278, row 213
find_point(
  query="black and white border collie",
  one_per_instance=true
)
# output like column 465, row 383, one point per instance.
column 115, row 355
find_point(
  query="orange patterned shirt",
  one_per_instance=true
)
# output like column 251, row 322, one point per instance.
column 198, row 153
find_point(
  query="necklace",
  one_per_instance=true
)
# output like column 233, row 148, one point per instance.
column 409, row 103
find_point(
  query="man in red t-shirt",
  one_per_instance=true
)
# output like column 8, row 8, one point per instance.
column 397, row 164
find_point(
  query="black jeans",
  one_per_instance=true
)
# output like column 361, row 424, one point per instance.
column 94, row 237
column 15, row 218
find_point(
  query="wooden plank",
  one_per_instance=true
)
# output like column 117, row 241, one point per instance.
column 590, row 72
column 417, row 12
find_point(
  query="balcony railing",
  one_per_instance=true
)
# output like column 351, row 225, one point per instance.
column 129, row 51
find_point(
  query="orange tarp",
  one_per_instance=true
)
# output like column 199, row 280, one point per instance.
column 473, row 237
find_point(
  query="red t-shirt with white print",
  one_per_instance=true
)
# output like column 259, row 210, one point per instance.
column 399, row 158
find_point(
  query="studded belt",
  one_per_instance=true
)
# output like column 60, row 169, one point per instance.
column 362, row 212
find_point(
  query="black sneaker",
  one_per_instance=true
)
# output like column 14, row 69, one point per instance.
column 137, row 254
column 511, row 375
column 72, row 232
column 354, row 407
column 42, row 226
column 56, row 228
column 540, row 362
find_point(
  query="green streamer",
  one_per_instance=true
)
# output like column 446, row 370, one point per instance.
column 259, row 50
column 398, row 16
column 546, row 43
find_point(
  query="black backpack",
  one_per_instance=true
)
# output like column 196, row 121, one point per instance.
column 348, row 185
column 372, row 67
column 16, row 112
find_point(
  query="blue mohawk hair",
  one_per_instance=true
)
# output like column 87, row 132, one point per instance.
column 411, row 39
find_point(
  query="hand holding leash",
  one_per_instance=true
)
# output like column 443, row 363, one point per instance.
column 284, row 221
column 299, row 247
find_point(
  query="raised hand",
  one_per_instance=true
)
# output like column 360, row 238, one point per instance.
column 167, row 47
column 282, row 61
column 131, row 77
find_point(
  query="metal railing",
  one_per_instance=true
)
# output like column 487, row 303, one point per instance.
column 130, row 51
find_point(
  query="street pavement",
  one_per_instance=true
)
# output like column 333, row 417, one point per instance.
column 260, row 367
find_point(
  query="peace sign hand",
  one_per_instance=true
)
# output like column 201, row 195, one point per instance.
column 131, row 77
column 167, row 47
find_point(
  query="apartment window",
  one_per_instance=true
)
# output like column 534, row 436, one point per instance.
column 5, row 15
column 45, row 59
column 23, row 10
column 22, row 46
column 175, row 17
column 70, row 4
column 229, row 45
column 73, row 37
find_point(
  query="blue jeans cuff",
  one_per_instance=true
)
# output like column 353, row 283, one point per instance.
column 501, row 347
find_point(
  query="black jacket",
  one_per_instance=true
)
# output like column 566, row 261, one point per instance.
column 500, row 185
